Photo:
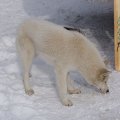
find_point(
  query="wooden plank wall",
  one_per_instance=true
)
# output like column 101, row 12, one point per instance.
column 117, row 33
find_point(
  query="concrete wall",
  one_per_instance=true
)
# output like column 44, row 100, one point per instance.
column 13, row 12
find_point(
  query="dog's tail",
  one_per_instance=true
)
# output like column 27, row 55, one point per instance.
column 25, row 49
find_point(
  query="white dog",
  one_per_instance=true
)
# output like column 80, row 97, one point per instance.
column 66, row 50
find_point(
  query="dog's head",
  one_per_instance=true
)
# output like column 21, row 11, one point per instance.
column 101, row 80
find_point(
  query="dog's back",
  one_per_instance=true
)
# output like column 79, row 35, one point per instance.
column 53, row 40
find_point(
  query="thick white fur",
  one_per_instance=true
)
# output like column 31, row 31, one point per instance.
column 66, row 50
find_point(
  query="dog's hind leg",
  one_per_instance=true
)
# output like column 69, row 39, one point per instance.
column 26, row 51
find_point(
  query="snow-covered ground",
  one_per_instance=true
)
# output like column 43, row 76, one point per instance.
column 45, row 104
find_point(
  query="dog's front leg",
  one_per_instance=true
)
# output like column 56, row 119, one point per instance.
column 62, row 85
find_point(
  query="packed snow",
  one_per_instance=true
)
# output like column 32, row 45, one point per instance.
column 45, row 104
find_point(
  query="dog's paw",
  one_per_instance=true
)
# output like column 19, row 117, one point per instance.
column 67, row 102
column 29, row 92
column 74, row 91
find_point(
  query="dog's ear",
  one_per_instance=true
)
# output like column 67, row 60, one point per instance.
column 103, row 74
column 106, row 61
column 104, row 70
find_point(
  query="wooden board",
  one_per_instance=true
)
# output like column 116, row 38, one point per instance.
column 117, row 33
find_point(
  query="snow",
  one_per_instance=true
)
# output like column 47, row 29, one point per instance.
column 97, row 25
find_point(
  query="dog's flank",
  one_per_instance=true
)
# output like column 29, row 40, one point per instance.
column 66, row 50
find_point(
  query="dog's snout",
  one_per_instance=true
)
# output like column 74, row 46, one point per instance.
column 107, row 91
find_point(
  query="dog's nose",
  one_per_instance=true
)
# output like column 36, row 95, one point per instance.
column 107, row 91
